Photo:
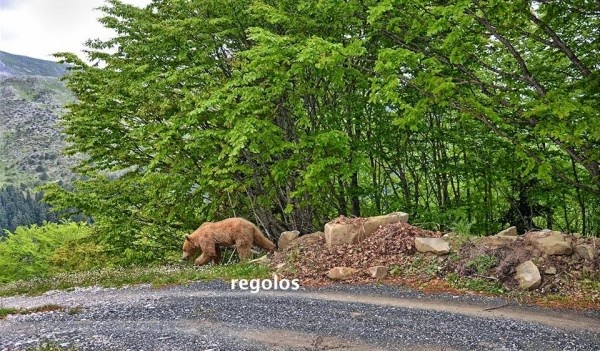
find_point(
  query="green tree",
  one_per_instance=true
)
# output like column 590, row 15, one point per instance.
column 527, row 70
column 293, row 112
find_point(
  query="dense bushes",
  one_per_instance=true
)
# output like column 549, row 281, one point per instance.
column 48, row 249
column 463, row 114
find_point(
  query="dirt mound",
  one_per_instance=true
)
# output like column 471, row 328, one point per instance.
column 309, row 260
column 559, row 273
column 486, row 265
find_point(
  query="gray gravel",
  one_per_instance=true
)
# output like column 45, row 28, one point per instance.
column 210, row 316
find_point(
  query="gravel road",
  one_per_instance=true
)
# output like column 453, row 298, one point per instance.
column 211, row 316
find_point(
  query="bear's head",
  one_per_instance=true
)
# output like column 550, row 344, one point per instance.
column 189, row 248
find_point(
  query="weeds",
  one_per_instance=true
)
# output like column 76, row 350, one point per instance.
column 493, row 287
column 4, row 312
column 483, row 263
column 50, row 346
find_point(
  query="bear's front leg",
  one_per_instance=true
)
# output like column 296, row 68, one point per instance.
column 209, row 251
column 217, row 256
column 203, row 259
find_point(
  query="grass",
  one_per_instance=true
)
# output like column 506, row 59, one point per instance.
column 4, row 312
column 118, row 277
column 50, row 347
column 424, row 266
column 483, row 263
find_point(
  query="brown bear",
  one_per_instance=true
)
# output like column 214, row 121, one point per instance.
column 210, row 236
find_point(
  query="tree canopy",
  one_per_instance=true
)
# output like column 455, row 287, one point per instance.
column 470, row 114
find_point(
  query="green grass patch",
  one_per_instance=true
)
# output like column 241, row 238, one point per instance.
column 4, row 312
column 483, row 263
column 424, row 266
column 118, row 277
column 50, row 346
column 482, row 285
column 7, row 311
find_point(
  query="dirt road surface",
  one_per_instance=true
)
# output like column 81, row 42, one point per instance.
column 210, row 316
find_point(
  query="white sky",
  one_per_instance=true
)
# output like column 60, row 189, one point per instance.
column 39, row 28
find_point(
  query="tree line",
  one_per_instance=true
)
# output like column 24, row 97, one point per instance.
column 469, row 115
column 19, row 207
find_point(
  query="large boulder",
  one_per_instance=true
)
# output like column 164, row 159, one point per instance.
column 550, row 242
column 286, row 238
column 528, row 276
column 438, row 246
column 352, row 231
column 495, row 241
column 342, row 273
column 585, row 252
column 511, row 231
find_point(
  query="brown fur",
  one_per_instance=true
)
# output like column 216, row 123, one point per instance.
column 210, row 236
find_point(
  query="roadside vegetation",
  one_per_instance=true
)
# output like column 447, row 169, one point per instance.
column 469, row 116
column 37, row 259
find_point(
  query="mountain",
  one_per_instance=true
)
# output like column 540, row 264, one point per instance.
column 17, row 65
column 32, row 97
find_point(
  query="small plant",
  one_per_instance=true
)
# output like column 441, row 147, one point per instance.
column 462, row 227
column 7, row 311
column 423, row 266
column 50, row 346
column 475, row 284
column 483, row 263
column 4, row 312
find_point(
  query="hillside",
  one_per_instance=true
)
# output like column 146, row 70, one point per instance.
column 32, row 97
column 17, row 65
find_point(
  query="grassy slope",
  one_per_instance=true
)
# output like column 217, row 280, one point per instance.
column 23, row 65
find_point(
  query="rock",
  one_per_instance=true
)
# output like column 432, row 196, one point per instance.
column 585, row 252
column 528, row 276
column 356, row 230
column 341, row 273
column 262, row 260
column 378, row 272
column 438, row 246
column 286, row 238
column 495, row 241
column 550, row 270
column 306, row 239
column 314, row 235
column 550, row 242
column 511, row 231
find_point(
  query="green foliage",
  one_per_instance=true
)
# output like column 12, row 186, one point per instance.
column 476, row 284
column 51, row 346
column 45, row 308
column 425, row 267
column 19, row 207
column 41, row 250
column 483, row 263
column 294, row 112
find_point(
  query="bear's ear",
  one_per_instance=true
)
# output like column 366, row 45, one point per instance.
column 187, row 237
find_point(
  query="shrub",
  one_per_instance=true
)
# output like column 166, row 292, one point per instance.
column 40, row 250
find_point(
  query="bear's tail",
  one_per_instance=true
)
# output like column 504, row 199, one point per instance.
column 262, row 241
